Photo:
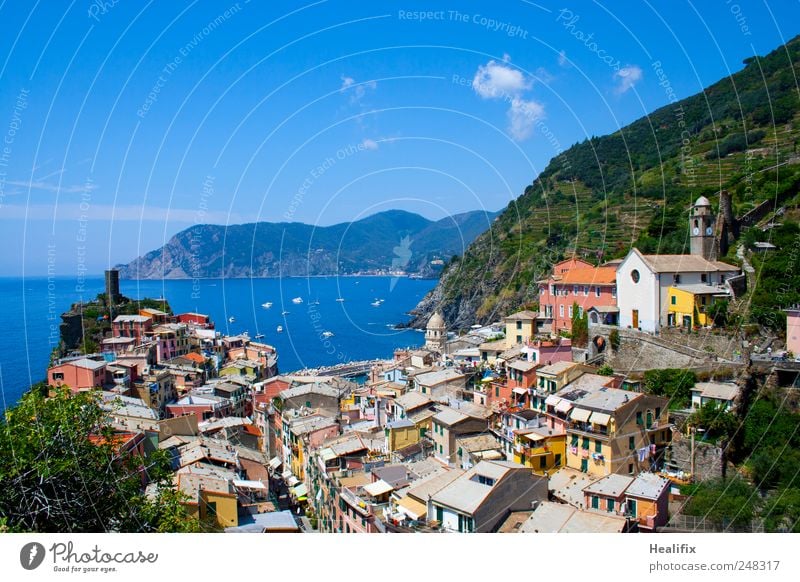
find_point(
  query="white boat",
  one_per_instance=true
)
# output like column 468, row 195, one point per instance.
column 376, row 303
column 279, row 329
column 231, row 319
column 340, row 299
column 259, row 335
column 297, row 300
column 284, row 313
column 266, row 305
column 327, row 334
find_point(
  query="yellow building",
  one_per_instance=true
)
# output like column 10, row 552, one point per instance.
column 221, row 506
column 687, row 305
column 520, row 327
column 616, row 431
column 543, row 449
column 401, row 433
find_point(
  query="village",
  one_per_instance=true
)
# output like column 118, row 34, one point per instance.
column 539, row 422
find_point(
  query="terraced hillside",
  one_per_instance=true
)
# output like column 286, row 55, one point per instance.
column 634, row 187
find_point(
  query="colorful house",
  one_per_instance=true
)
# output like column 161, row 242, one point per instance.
column 520, row 327
column 793, row 331
column 574, row 282
column 81, row 374
column 689, row 304
column 541, row 448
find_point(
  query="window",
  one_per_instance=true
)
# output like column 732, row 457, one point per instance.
column 598, row 446
column 635, row 276
column 580, row 311
column 557, row 461
column 703, row 278
column 497, row 391
column 542, row 462
column 610, row 505
column 485, row 480
column 424, row 390
column 597, row 291
column 585, row 290
column 308, row 404
column 639, row 417
column 519, row 339
column 439, row 514
column 584, row 465
column 585, row 443
column 519, row 325
column 614, row 291
column 677, row 279
column 595, row 502
column 658, row 413
column 460, row 452
column 58, row 375
column 574, row 440
column 631, row 507
column 574, row 289
column 630, row 468
column 561, row 310
column 570, row 310
column 673, row 299
column 631, row 443
column 441, row 450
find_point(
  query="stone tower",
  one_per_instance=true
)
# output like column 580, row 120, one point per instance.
column 112, row 286
column 436, row 333
column 701, row 229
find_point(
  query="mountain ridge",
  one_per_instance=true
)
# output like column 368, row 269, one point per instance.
column 389, row 240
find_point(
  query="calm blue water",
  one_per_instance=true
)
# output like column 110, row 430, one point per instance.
column 32, row 306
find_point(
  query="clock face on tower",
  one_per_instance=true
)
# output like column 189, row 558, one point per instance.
column 695, row 231
column 708, row 230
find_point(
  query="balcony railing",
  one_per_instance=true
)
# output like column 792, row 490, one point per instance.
column 589, row 429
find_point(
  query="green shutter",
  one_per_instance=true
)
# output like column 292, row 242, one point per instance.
column 610, row 505
column 631, row 443
column 574, row 440
column 595, row 502
column 598, row 446
column 639, row 417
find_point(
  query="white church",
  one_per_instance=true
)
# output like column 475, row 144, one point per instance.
column 643, row 281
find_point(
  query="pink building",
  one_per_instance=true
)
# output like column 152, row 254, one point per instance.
column 793, row 331
column 575, row 282
column 82, row 374
column 135, row 326
column 548, row 352
column 197, row 319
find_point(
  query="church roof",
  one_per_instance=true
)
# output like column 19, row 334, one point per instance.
column 702, row 201
column 436, row 321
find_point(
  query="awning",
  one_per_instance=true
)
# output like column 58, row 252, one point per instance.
column 379, row 487
column 520, row 391
column 581, row 414
column 275, row 462
column 247, row 484
column 601, row 418
column 327, row 454
column 552, row 400
column 300, row 491
column 564, row 406
column 292, row 481
column 412, row 508
column 532, row 436
column 286, row 474
column 491, row 455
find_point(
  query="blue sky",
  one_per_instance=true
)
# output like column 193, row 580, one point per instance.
column 126, row 122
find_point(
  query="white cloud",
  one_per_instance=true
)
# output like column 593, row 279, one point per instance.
column 494, row 80
column 498, row 81
column 369, row 144
column 562, row 58
column 627, row 77
column 107, row 212
column 48, row 187
column 522, row 116
column 358, row 90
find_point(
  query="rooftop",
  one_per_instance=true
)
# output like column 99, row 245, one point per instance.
column 522, row 316
column 590, row 276
column 550, row 517
column 647, row 486
column 683, row 263
column 717, row 390
column 557, row 368
column 466, row 494
column 612, row 485
column 437, row 377
column 412, row 400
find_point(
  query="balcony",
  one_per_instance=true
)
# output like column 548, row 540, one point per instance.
column 589, row 430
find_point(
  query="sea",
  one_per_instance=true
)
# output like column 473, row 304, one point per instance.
column 362, row 325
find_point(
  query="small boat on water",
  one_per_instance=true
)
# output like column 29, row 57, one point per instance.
column 327, row 334
column 376, row 303
column 259, row 335
column 297, row 300
column 266, row 305
column 279, row 329
column 284, row 313
column 231, row 319
column 340, row 299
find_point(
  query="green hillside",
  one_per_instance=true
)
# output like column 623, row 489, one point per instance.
column 634, row 187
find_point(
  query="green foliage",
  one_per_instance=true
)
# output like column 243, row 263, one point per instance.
column 778, row 271
column 715, row 419
column 605, row 370
column 61, row 470
column 718, row 312
column 781, row 511
column 736, row 142
column 673, row 383
column 580, row 327
column 613, row 339
column 725, row 503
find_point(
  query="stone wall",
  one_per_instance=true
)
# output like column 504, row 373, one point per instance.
column 708, row 459
column 705, row 340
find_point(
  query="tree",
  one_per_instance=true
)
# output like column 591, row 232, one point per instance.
column 674, row 383
column 715, row 419
column 781, row 511
column 580, row 327
column 605, row 370
column 63, row 469
column 724, row 502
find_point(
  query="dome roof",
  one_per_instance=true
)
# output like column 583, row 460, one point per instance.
column 702, row 201
column 436, row 321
